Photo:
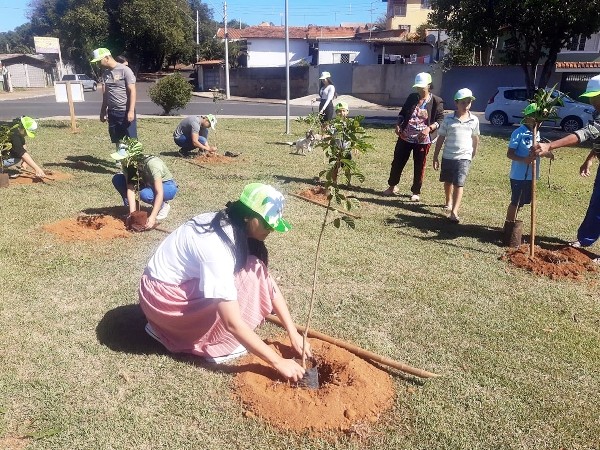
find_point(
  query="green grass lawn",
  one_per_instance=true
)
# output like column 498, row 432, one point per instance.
column 519, row 354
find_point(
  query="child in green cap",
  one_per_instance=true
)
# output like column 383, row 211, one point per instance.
column 24, row 126
column 208, row 286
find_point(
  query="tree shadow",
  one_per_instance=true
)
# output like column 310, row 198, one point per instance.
column 114, row 211
column 87, row 163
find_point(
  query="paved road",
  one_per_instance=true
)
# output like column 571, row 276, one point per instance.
column 42, row 107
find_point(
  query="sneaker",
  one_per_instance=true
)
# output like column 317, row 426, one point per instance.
column 575, row 244
column 164, row 211
column 415, row 198
column 240, row 350
column 391, row 190
column 151, row 332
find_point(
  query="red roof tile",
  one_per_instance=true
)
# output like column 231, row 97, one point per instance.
column 578, row 65
column 278, row 32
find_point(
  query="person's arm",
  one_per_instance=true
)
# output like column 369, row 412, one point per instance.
column 229, row 312
column 544, row 148
column 586, row 167
column 281, row 309
column 132, row 97
column 330, row 91
column 475, row 143
column 510, row 154
column 104, row 103
column 436, row 154
column 439, row 113
column 196, row 142
column 159, row 195
column 30, row 162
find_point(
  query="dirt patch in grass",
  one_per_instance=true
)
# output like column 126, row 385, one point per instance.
column 28, row 178
column 212, row 158
column 563, row 262
column 88, row 227
column 352, row 393
column 316, row 193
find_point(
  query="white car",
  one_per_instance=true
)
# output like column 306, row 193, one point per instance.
column 507, row 104
column 88, row 83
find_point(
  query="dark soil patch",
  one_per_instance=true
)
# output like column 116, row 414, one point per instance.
column 564, row 262
column 352, row 393
column 29, row 178
column 88, row 227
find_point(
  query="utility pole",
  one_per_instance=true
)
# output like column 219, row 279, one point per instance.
column 226, row 51
column 287, row 72
column 197, row 35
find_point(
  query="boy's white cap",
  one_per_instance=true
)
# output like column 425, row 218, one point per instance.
column 593, row 87
column 422, row 80
column 324, row 75
column 464, row 93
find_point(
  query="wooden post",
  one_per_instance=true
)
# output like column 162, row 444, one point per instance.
column 71, row 107
column 533, row 200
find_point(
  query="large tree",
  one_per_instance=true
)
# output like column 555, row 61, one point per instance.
column 537, row 30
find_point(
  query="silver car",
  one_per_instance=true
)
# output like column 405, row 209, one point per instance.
column 507, row 104
column 88, row 83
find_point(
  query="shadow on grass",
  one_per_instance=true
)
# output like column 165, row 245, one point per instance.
column 114, row 211
column 174, row 154
column 445, row 231
column 87, row 163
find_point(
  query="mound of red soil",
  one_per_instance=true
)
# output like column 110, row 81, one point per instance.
column 352, row 392
column 316, row 193
column 28, row 178
column 212, row 158
column 565, row 262
column 88, row 227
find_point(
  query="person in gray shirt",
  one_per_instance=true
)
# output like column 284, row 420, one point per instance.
column 192, row 133
column 118, row 98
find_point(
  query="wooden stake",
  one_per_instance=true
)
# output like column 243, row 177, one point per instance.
column 71, row 107
column 359, row 351
column 533, row 199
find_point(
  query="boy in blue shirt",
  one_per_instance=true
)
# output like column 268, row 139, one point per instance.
column 521, row 154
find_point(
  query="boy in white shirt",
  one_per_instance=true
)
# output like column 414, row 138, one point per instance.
column 460, row 134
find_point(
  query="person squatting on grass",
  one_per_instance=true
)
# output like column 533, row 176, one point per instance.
column 459, row 134
column 192, row 133
column 521, row 153
column 118, row 96
column 589, row 230
column 157, row 186
column 417, row 125
column 207, row 287
column 18, row 153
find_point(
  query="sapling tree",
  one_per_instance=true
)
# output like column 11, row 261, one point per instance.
column 5, row 144
column 135, row 152
column 345, row 136
column 542, row 108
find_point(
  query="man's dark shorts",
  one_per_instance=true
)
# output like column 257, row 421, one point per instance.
column 119, row 127
column 455, row 171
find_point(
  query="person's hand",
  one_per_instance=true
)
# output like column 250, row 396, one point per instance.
column 436, row 164
column 397, row 130
column 40, row 173
column 423, row 134
column 130, row 116
column 150, row 223
column 530, row 158
column 296, row 340
column 541, row 148
column 128, row 222
column 290, row 369
column 102, row 116
column 586, row 168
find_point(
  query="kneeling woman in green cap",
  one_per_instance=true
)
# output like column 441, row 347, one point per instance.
column 207, row 287
column 24, row 126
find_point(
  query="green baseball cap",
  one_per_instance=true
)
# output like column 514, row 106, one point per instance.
column 593, row 87
column 30, row 125
column 342, row 105
column 212, row 120
column 268, row 202
column 100, row 53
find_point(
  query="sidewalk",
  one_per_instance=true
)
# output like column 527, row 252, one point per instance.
column 20, row 93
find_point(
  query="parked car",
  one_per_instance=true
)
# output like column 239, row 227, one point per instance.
column 507, row 104
column 88, row 83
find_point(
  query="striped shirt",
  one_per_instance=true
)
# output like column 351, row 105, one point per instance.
column 458, row 143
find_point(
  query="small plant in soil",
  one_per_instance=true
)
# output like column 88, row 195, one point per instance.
column 345, row 135
column 5, row 144
column 546, row 109
column 131, row 164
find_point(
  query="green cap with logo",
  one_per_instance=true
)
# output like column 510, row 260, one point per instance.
column 100, row 53
column 342, row 105
column 268, row 202
column 30, row 125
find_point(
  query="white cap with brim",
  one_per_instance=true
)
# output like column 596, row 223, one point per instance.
column 100, row 53
column 120, row 154
column 212, row 120
column 593, row 87
column 422, row 80
column 324, row 75
column 464, row 93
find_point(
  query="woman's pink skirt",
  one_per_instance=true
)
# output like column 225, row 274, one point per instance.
column 186, row 322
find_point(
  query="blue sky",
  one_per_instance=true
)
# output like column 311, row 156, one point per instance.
column 300, row 12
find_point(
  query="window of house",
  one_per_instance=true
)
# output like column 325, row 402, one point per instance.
column 404, row 27
column 343, row 58
column 425, row 4
column 577, row 43
column 399, row 8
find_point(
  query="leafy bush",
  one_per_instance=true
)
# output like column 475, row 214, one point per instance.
column 171, row 93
